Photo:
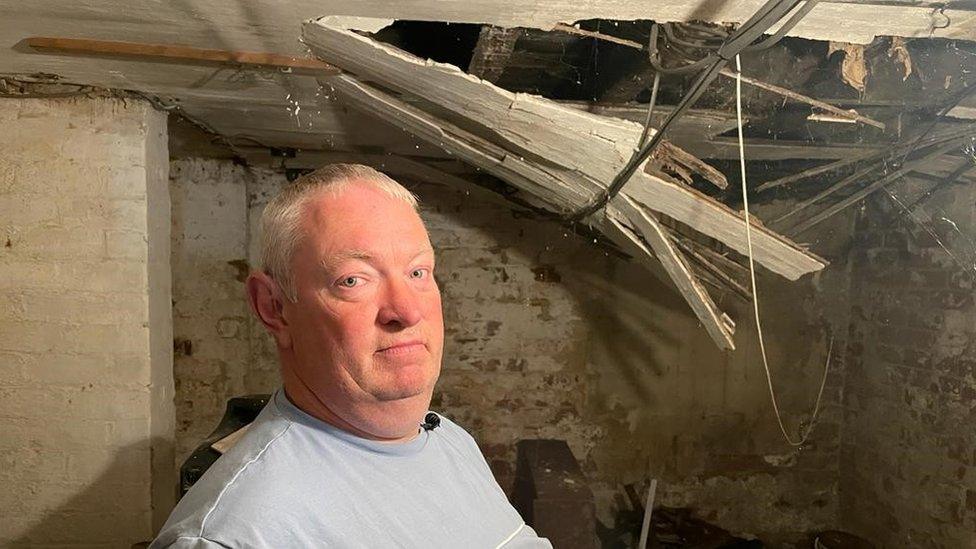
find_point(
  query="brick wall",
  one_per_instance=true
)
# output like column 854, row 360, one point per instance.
column 549, row 336
column 908, row 468
column 209, row 310
column 85, row 376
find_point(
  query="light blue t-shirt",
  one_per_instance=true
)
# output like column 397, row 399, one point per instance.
column 295, row 481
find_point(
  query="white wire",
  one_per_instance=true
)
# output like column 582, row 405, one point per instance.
column 755, row 291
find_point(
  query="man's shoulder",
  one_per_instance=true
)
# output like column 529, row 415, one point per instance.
column 235, row 487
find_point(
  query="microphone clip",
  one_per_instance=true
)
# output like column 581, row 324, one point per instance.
column 431, row 421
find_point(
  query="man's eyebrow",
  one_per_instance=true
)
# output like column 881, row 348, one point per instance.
column 362, row 255
column 426, row 250
column 345, row 255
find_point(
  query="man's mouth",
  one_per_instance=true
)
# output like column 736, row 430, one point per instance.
column 403, row 348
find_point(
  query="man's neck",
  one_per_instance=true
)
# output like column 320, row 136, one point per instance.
column 307, row 401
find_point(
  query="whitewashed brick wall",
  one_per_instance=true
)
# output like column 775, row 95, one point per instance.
column 86, row 397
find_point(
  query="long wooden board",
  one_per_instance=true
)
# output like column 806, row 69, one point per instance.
column 178, row 54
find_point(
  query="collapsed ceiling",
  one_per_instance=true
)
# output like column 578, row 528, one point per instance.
column 258, row 105
column 418, row 119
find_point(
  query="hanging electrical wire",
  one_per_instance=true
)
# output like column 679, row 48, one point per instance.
column 720, row 52
column 804, row 434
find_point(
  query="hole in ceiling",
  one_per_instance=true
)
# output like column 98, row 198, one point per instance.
column 443, row 42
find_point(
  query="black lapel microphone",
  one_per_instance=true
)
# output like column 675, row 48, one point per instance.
column 431, row 421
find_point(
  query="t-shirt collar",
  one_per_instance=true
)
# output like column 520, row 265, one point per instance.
column 288, row 409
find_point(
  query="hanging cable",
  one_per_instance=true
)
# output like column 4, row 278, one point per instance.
column 755, row 291
column 650, row 110
column 785, row 27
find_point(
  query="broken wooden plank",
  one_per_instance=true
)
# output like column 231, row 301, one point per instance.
column 180, row 54
column 673, row 159
column 492, row 52
column 726, row 280
column 719, row 258
column 712, row 218
column 522, row 123
column 624, row 211
column 850, row 114
column 574, row 152
column 680, row 158
column 462, row 144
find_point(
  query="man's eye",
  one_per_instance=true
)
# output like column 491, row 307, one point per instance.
column 350, row 281
column 418, row 273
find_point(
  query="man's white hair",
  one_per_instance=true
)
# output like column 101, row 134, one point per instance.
column 281, row 222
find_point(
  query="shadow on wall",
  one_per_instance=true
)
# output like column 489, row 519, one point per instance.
column 113, row 511
column 673, row 406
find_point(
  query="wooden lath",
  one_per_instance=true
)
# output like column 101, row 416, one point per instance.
column 559, row 157
column 174, row 53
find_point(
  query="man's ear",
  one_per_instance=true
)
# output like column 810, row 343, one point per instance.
column 264, row 296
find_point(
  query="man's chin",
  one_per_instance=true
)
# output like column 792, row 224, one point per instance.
column 404, row 394
column 405, row 383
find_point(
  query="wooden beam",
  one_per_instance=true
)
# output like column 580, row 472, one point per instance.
column 727, row 148
column 572, row 153
column 695, row 123
column 864, row 192
column 628, row 86
column 492, row 52
column 816, row 170
column 179, row 54
column 700, row 124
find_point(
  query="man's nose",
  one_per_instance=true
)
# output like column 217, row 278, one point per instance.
column 400, row 305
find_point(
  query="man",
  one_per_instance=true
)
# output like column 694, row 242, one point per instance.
column 343, row 455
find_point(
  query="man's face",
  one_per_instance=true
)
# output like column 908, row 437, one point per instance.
column 367, row 330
